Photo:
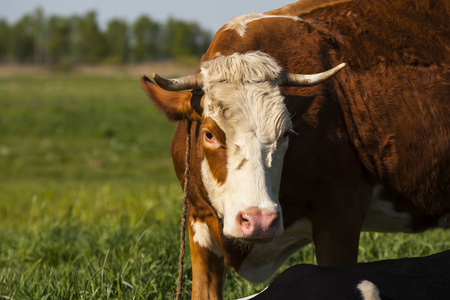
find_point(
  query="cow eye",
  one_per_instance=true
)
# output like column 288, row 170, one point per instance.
column 209, row 136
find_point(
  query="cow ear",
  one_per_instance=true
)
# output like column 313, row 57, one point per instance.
column 176, row 105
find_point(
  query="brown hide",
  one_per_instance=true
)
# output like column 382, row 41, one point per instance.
column 395, row 95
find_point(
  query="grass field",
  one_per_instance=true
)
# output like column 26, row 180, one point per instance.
column 89, row 203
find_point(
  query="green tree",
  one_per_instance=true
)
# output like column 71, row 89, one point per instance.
column 89, row 41
column 118, row 41
column 146, row 39
column 78, row 39
column 185, row 40
column 40, row 34
column 5, row 40
column 60, row 31
column 22, row 41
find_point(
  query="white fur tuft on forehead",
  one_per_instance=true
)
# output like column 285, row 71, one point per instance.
column 251, row 67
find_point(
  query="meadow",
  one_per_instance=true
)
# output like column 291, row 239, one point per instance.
column 89, row 203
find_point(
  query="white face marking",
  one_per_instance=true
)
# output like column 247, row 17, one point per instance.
column 265, row 259
column 369, row 291
column 254, row 119
column 382, row 216
column 203, row 237
column 239, row 24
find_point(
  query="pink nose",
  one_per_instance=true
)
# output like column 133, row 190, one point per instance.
column 257, row 225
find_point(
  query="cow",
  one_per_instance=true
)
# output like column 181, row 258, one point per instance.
column 407, row 278
column 289, row 146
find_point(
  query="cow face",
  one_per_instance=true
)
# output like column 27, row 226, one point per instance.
column 245, row 136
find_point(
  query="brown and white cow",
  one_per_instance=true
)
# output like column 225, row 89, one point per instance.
column 280, row 160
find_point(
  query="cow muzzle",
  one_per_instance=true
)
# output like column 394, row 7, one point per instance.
column 258, row 226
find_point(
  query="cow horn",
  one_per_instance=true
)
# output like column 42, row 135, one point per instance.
column 191, row 82
column 290, row 79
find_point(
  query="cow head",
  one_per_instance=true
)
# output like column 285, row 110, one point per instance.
column 245, row 129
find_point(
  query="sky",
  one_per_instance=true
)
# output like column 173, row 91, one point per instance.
column 210, row 14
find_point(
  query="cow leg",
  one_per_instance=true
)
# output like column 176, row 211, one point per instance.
column 336, row 239
column 208, row 270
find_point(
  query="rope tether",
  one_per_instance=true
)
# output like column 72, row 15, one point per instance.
column 185, row 209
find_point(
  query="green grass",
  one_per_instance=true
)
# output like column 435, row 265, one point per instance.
column 89, row 203
column 81, row 128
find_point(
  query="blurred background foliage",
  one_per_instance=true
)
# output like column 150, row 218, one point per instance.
column 64, row 41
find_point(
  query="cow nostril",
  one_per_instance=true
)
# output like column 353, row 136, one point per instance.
column 244, row 221
column 247, row 222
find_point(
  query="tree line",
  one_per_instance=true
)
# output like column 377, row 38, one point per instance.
column 57, row 40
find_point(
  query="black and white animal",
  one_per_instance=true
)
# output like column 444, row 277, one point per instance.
column 422, row 278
